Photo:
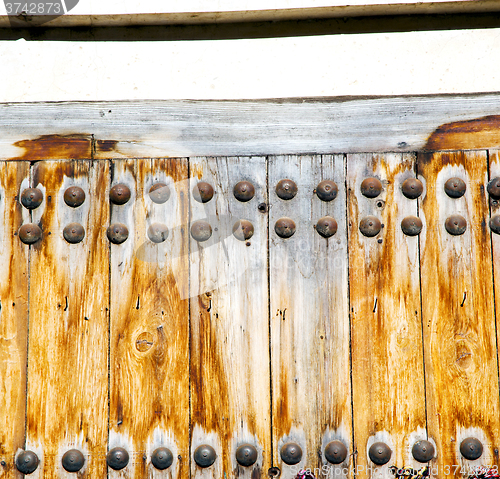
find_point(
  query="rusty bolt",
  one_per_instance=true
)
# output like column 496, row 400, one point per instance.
column 117, row 233
column 423, row 451
column 285, row 227
column 326, row 226
column 380, row 453
column 494, row 188
column 74, row 196
column 455, row 187
column 158, row 233
column 495, row 224
column 244, row 191
column 27, row 462
column 411, row 225
column 31, row 198
column 117, row 458
column 471, row 448
column 74, row 233
column 246, row 455
column 30, row 233
column 286, row 189
column 159, row 193
column 336, row 452
column 119, row 194
column 205, row 455
column 243, row 230
column 203, row 192
column 455, row 225
column 201, row 230
column 370, row 226
column 162, row 458
column 412, row 188
column 73, row 460
column 291, row 453
column 327, row 190
column 371, row 187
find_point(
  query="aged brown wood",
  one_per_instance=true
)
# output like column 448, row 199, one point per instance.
column 149, row 344
column 68, row 335
column 458, row 313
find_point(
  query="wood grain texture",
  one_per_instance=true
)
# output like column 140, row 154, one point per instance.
column 230, row 374
column 68, row 335
column 309, row 317
column 458, row 313
column 13, row 316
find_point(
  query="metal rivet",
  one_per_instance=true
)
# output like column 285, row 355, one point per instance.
column 205, row 455
column 412, row 188
column 380, row 453
column 336, row 452
column 30, row 233
column 326, row 226
column 73, row 460
column 162, row 458
column 201, row 230
column 203, row 192
column 471, row 448
column 31, row 198
column 27, row 462
column 246, row 455
column 411, row 225
column 455, row 225
column 285, row 227
column 494, row 188
column 455, row 187
column 74, row 233
column 117, row 458
column 117, row 233
column 262, row 208
column 286, row 189
column 119, row 194
column 243, row 230
column 291, row 453
column 74, row 196
column 423, row 451
column 371, row 187
column 244, row 191
column 495, row 224
column 159, row 193
column 158, row 233
column 274, row 472
column 370, row 226
column 327, row 190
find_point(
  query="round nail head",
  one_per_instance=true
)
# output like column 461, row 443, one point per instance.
column 158, row 232
column 74, row 233
column 73, row 460
column 495, row 224
column 205, row 455
column 455, row 187
column 243, row 230
column 30, row 233
column 371, row 187
column 471, row 448
column 31, row 198
column 456, row 225
column 370, row 226
column 291, row 453
column 411, row 225
column 326, row 226
column 286, row 189
column 27, row 462
column 119, row 194
column 246, row 455
column 117, row 458
column 244, row 191
column 74, row 196
column 159, row 193
column 335, row 452
column 423, row 451
column 117, row 233
column 201, row 230
column 285, row 227
column 203, row 192
column 162, row 458
column 327, row 190
column 380, row 453
column 412, row 188
column 494, row 188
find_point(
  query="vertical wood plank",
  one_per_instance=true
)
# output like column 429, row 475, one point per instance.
column 229, row 328
column 149, row 345
column 309, row 318
column 13, row 316
column 458, row 313
column 68, row 335
column 387, row 358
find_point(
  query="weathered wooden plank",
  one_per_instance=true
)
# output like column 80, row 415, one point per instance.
column 149, row 344
column 309, row 318
column 230, row 374
column 67, row 404
column 458, row 313
column 13, row 316
column 387, row 361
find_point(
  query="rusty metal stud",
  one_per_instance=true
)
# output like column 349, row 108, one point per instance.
column 371, row 187
column 455, row 187
column 30, row 233
column 423, row 451
column 117, row 458
column 411, row 225
column 326, row 226
column 162, row 458
column 27, row 462
column 158, row 233
column 243, row 230
column 380, row 453
column 74, row 196
column 336, row 452
column 117, row 233
column 285, row 227
column 471, row 448
column 159, row 193
column 412, row 188
column 286, row 189
column 494, row 188
column 201, row 230
column 495, row 224
column 291, row 453
column 327, row 190
column 244, row 191
column 370, row 226
column 119, row 194
column 31, row 198
column 203, row 192
column 74, row 233
column 455, row 225
column 73, row 460
column 205, row 455
column 246, row 455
